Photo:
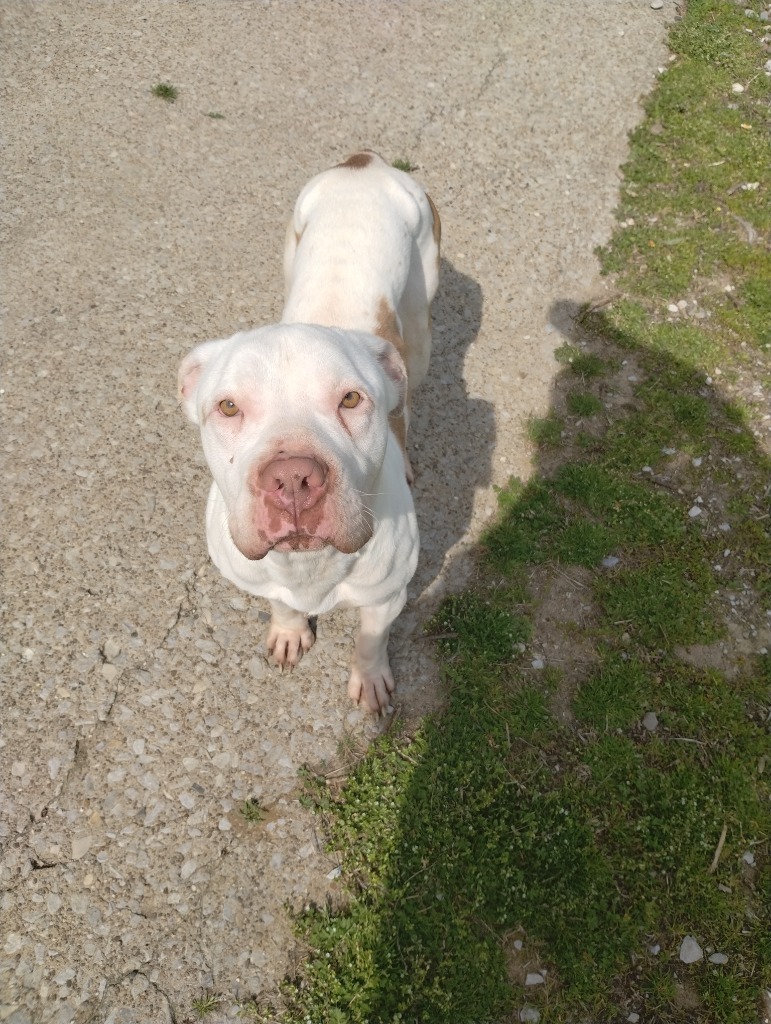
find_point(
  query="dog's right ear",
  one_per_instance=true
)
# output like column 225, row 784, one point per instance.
column 189, row 375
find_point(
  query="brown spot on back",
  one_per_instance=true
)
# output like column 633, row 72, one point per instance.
column 358, row 160
column 437, row 225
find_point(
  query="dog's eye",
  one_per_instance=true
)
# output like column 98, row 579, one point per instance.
column 351, row 400
column 228, row 408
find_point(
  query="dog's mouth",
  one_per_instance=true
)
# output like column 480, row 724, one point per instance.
column 300, row 542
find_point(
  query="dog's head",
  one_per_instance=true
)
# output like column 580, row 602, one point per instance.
column 294, row 424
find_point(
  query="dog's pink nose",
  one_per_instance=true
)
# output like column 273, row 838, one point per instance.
column 293, row 483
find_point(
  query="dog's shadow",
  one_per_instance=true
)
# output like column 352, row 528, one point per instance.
column 452, row 437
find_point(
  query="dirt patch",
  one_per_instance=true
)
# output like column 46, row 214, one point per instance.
column 562, row 604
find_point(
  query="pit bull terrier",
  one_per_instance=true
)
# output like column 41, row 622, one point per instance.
column 304, row 423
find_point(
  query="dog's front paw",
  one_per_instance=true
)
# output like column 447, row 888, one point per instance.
column 372, row 687
column 287, row 645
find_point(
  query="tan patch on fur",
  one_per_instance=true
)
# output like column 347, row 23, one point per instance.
column 437, row 225
column 387, row 326
column 357, row 160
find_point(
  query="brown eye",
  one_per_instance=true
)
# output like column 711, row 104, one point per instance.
column 228, row 408
column 351, row 400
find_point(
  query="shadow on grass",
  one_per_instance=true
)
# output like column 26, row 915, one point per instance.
column 502, row 841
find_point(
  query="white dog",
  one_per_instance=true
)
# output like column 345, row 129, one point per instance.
column 310, row 506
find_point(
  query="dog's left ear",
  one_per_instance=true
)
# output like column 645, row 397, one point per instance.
column 189, row 375
column 396, row 374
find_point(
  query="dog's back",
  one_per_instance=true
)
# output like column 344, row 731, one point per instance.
column 362, row 252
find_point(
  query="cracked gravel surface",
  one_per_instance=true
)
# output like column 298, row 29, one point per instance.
column 139, row 711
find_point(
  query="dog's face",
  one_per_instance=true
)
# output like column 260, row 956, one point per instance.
column 294, row 424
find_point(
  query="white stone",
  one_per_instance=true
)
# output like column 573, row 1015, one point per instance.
column 529, row 1015
column 749, row 858
column 656, row 5
column 111, row 649
column 187, row 869
column 81, row 845
column 737, row 87
column 690, row 950
column 610, row 562
column 537, row 662
column 718, row 958
column 535, row 979
column 650, row 721
column 694, row 512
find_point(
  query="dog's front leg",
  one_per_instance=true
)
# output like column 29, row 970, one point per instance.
column 371, row 680
column 289, row 635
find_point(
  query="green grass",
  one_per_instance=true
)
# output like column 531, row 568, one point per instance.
column 252, row 811
column 543, row 805
column 205, row 1004
column 166, row 91
column 402, row 164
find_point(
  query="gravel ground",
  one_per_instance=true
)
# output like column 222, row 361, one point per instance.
column 138, row 709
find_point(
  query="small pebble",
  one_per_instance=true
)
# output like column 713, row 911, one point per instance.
column 633, row 1018
column 656, row 5
column 690, row 950
column 749, row 858
column 767, row 66
column 650, row 721
column 694, row 511
column 673, row 308
column 718, row 958
column 737, row 87
column 187, row 869
column 111, row 649
column 696, row 462
column 537, row 662
column 610, row 562
column 529, row 1015
column 535, row 979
